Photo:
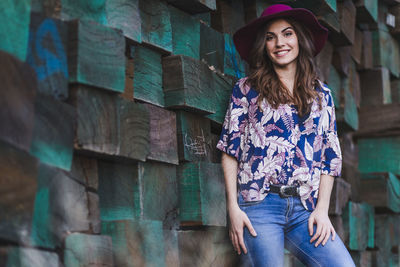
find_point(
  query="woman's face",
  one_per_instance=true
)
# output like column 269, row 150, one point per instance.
column 281, row 44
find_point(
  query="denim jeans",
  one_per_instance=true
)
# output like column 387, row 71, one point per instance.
column 283, row 223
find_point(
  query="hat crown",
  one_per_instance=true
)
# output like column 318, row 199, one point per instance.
column 275, row 9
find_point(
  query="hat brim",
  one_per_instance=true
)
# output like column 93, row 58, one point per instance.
column 245, row 37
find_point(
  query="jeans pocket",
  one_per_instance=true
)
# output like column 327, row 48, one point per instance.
column 243, row 203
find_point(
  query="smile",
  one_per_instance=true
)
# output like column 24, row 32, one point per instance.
column 281, row 53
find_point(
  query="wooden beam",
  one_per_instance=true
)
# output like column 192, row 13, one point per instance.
column 386, row 52
column 367, row 11
column 228, row 16
column 23, row 256
column 194, row 6
column 340, row 195
column 375, row 84
column 212, row 48
column 85, row 171
column 323, row 60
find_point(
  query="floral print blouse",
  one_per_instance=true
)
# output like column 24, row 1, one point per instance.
column 276, row 146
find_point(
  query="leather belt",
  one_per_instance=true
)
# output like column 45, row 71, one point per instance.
column 284, row 190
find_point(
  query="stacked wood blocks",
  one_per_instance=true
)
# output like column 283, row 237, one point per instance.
column 112, row 109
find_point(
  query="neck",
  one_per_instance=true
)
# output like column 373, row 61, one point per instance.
column 287, row 75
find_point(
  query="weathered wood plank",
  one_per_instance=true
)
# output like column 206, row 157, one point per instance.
column 18, row 185
column 17, row 101
column 187, row 84
column 89, row 11
column 24, row 257
column 192, row 131
column 347, row 115
column 47, row 54
column 367, row 11
column 212, row 48
column 347, row 16
column 88, row 250
column 356, row 49
column 228, row 17
column 323, row 61
column 97, row 128
column 362, row 258
column 317, row 7
column 381, row 190
column 386, row 52
column 350, row 171
column 387, row 239
column 379, row 154
column 171, row 248
column 359, row 224
column 84, row 170
column 375, row 84
column 234, row 65
column 14, row 27
column 253, row 9
column 163, row 135
column 96, row 55
column 367, row 54
column 134, row 123
column 395, row 90
column 201, row 201
column 136, row 242
column 341, row 59
column 340, row 195
column 185, row 33
column 147, row 78
column 156, row 24
column 53, row 139
column 335, row 84
column 194, row 6
column 129, row 73
column 94, row 212
column 61, row 207
column 354, row 83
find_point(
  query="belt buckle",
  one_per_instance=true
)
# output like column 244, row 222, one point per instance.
column 282, row 191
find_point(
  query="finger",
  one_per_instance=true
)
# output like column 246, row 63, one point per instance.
column 333, row 233
column 327, row 235
column 242, row 245
column 321, row 237
column 317, row 233
column 310, row 225
column 235, row 244
column 250, row 227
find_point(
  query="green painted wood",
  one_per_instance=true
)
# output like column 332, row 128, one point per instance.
column 359, row 225
column 387, row 239
column 17, row 101
column 163, row 135
column 134, row 123
column 88, row 250
column 94, row 10
column 317, row 7
column 85, row 170
column 61, row 207
column 335, row 84
column 381, row 190
column 194, row 6
column 97, row 128
column 136, row 242
column 188, row 84
column 367, row 11
column 47, row 54
column 18, row 185
column 212, row 47
column 158, row 192
column 201, row 201
column 147, row 78
column 347, row 114
column 379, row 154
column 12, row 256
column 14, row 27
column 375, row 84
column 96, row 55
column 233, row 63
column 193, row 132
column 118, row 191
column 125, row 15
column 156, row 24
column 228, row 17
column 386, row 52
column 185, row 33
column 53, row 139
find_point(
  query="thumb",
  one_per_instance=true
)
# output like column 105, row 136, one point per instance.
column 250, row 227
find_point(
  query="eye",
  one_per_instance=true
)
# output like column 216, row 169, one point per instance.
column 288, row 33
column 268, row 38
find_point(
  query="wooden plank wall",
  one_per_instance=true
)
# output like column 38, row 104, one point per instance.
column 110, row 114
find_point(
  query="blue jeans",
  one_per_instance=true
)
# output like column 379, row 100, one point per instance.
column 283, row 223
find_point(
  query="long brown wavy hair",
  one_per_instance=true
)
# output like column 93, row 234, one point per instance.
column 263, row 78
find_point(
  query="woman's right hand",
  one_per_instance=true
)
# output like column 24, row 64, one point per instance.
column 239, row 219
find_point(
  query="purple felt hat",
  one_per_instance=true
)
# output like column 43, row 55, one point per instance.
column 245, row 37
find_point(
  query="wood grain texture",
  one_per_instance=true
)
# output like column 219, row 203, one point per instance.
column 94, row 212
column 163, row 135
column 96, row 55
column 85, row 170
column 387, row 239
column 228, row 17
column 171, row 248
column 363, row 258
column 136, row 242
column 347, row 17
column 129, row 74
column 47, row 54
column 335, row 84
column 14, row 27
column 194, row 6
column 147, row 78
column 317, row 7
column 354, row 83
column 18, row 171
column 375, row 84
column 356, row 49
column 97, row 128
column 386, row 52
column 340, row 195
column 212, row 48
column 341, row 59
column 53, row 139
column 367, row 11
column 323, row 61
column 346, row 114
column 395, row 90
column 367, row 54
column 23, row 257
column 88, row 250
column 17, row 101
column 85, row 10
column 156, row 25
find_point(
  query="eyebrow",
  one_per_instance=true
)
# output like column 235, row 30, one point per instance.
column 282, row 30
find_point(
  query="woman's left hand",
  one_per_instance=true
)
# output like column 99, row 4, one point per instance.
column 324, row 226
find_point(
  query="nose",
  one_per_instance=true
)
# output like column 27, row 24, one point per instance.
column 279, row 41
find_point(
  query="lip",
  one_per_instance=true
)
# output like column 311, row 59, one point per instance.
column 276, row 53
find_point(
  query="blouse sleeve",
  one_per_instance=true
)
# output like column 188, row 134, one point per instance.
column 234, row 123
column 332, row 155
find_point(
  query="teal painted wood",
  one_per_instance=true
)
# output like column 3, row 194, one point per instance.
column 18, row 171
column 212, row 47
column 379, row 154
column 88, row 250
column 386, row 51
column 12, row 256
column 125, row 15
column 97, row 129
column 136, row 242
column 134, row 123
column 53, row 139
column 347, row 114
column 118, row 185
column 47, row 54
column 194, row 6
column 147, row 77
column 17, row 101
column 94, row 10
column 367, row 11
column 317, row 7
column 14, row 27
column 189, row 194
column 185, row 33
column 233, row 63
column 96, row 55
column 335, row 84
column 156, row 24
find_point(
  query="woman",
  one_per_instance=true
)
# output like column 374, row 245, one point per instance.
column 280, row 145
